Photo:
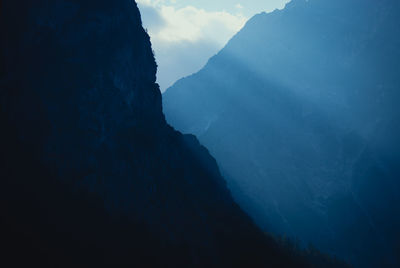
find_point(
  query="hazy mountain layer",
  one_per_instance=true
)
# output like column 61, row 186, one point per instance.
column 300, row 110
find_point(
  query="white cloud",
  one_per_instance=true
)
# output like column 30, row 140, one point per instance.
column 192, row 24
column 180, row 33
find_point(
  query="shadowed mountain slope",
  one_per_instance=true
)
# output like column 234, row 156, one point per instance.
column 91, row 174
column 300, row 110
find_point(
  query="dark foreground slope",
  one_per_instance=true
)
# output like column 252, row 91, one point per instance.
column 91, row 174
column 300, row 110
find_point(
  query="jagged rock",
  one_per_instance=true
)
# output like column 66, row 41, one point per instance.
column 91, row 174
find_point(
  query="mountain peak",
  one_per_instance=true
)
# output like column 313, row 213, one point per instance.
column 91, row 173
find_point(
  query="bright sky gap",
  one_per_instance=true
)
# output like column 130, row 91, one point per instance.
column 186, row 33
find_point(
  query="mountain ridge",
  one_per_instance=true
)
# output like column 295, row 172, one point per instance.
column 299, row 111
column 92, row 175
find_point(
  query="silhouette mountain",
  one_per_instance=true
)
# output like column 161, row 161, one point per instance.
column 300, row 110
column 91, row 174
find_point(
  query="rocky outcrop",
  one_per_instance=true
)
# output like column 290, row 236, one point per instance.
column 91, row 174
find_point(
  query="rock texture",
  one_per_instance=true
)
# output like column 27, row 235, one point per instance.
column 300, row 110
column 91, row 174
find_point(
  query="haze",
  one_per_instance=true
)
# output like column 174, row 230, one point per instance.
column 186, row 33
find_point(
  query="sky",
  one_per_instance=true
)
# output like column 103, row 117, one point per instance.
column 186, row 33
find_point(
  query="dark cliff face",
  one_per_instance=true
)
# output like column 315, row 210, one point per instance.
column 91, row 174
column 300, row 111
